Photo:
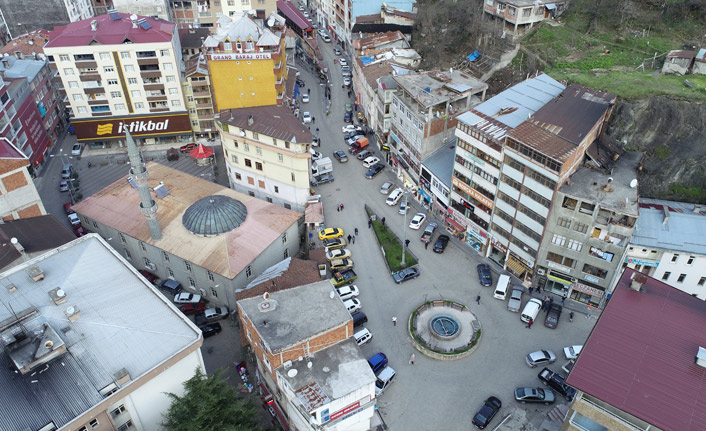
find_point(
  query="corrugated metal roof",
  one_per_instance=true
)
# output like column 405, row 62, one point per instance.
column 640, row 356
column 277, row 121
column 109, row 32
column 123, row 323
column 441, row 163
column 685, row 230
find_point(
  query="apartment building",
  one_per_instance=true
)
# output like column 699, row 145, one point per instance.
column 152, row 8
column 539, row 155
column 435, row 180
column 313, row 374
column 103, row 361
column 247, row 62
column 266, row 150
column 424, row 113
column 122, row 72
column 196, row 13
column 101, row 7
column 19, row 197
column 480, row 137
column 669, row 244
column 592, row 217
column 196, row 84
column 523, row 14
column 644, row 363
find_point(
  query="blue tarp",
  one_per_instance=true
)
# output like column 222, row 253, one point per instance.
column 366, row 60
column 474, row 56
column 296, row 90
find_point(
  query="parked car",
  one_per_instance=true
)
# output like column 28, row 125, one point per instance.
column 351, row 128
column 330, row 232
column 363, row 154
column 187, row 298
column 211, row 315
column 352, row 305
column 74, row 220
column 374, row 170
column 321, row 31
column 80, row 231
column 347, row 117
column 149, row 276
column 346, row 81
column 337, row 51
column 305, row 98
column 370, row 161
column 211, row 329
column 404, row 207
column 322, row 179
column 334, row 243
column 341, row 264
column 515, row 302
column 405, row 274
column 386, row 186
column 315, row 155
column 337, row 253
column 556, row 382
column 64, row 185
column 572, row 352
column 187, row 148
column 67, row 208
column 356, row 133
column 171, row 286
column 306, row 118
column 363, row 336
column 377, row 362
column 192, row 308
column 534, row 395
column 441, row 243
column 353, row 139
column 491, row 406
column 484, row 275
column 359, row 318
column 552, row 319
column 343, row 62
column 340, row 156
column 347, row 292
column 540, row 357
column 326, row 38
column 531, row 310
column 417, row 221
column 76, row 149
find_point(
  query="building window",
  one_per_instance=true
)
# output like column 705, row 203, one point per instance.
column 246, row 147
column 238, row 176
column 171, row 79
column 73, row 84
column 126, row 426
column 132, row 81
column 261, row 184
column 690, row 261
column 116, row 412
column 173, row 91
column 135, row 93
column 164, row 53
column 276, row 189
column 187, row 265
column 165, row 256
column 581, row 228
column 129, row 68
column 122, row 237
column 280, row 157
column 192, row 283
column 109, row 69
column 286, row 253
column 142, row 246
column 170, row 272
column 256, row 137
column 702, row 281
column 210, row 275
column 284, row 238
column 176, row 103
column 681, row 278
column 666, row 275
column 574, row 245
column 119, row 107
column 168, row 66
column 93, row 423
column 594, row 270
column 248, row 271
column 139, row 105
column 78, row 97
column 234, row 158
column 115, row 94
column 105, row 56
column 214, row 292
column 112, row 82
column 293, row 177
column 64, row 57
column 558, row 240
column 82, row 110
column 248, row 163
column 125, row 54
column 287, row 206
column 258, row 151
column 68, row 71
column 675, row 257
column 258, row 166
column 128, row 256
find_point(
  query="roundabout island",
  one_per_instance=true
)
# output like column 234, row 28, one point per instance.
column 445, row 330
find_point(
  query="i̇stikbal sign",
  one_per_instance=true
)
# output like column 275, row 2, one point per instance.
column 257, row 56
column 111, row 128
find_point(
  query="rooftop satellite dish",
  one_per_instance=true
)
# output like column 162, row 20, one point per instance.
column 293, row 372
column 70, row 310
column 266, row 296
column 633, row 183
column 271, row 21
column 60, row 293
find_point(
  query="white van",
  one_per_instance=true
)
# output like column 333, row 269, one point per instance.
column 502, row 287
column 531, row 310
column 362, row 336
column 384, row 379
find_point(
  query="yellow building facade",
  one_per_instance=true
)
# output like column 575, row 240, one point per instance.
column 247, row 63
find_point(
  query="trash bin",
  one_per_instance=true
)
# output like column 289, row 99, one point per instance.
column 373, row 217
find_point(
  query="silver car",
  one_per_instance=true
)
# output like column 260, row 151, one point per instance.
column 540, row 357
column 386, row 187
column 515, row 302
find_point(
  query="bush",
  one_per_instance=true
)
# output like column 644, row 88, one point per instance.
column 392, row 248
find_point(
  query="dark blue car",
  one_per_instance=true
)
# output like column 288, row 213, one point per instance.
column 486, row 279
column 377, row 362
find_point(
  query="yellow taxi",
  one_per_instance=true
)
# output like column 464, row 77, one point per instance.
column 330, row 233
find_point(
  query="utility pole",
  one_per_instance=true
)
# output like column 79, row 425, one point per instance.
column 404, row 228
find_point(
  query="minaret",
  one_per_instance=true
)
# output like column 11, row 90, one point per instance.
column 139, row 175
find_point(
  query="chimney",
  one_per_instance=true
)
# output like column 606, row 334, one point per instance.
column 665, row 211
column 5, row 63
column 701, row 357
column 251, row 120
column 637, row 280
column 94, row 25
column 17, row 245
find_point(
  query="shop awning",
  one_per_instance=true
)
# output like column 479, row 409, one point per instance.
column 550, row 6
column 458, row 226
column 517, row 268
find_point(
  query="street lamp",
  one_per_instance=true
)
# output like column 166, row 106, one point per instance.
column 404, row 228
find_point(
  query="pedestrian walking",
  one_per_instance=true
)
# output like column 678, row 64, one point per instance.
column 411, row 359
column 349, row 237
column 317, row 130
column 383, row 221
column 341, row 207
column 531, row 289
column 551, row 301
column 356, row 231
column 563, row 299
column 394, row 320
column 426, row 245
column 313, row 120
column 353, row 242
column 308, row 91
column 478, row 299
column 529, row 325
column 338, row 208
column 406, row 243
column 370, row 223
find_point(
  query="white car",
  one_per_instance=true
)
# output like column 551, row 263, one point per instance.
column 301, row 8
column 315, row 155
column 370, row 161
column 76, row 150
column 346, row 81
column 404, row 207
column 343, row 62
column 417, row 221
column 572, row 352
column 187, row 298
column 321, row 32
column 305, row 98
column 73, row 219
column 394, row 197
column 352, row 305
column 306, row 118
column 351, row 128
column 386, row 187
column 337, row 253
column 306, row 14
column 347, row 292
column 326, row 39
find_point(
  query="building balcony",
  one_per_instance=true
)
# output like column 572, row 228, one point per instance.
column 94, row 90
column 199, row 84
column 90, row 76
column 154, row 87
column 201, row 94
column 163, row 109
column 102, row 101
column 204, row 106
column 207, row 117
column 150, row 74
column 81, row 64
column 145, row 61
column 100, row 114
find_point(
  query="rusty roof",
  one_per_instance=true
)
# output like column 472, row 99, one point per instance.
column 374, row 71
column 30, row 43
column 277, row 121
column 117, row 206
column 640, row 357
column 371, row 19
column 547, row 143
column 378, row 39
column 111, row 32
column 289, row 273
column 686, row 54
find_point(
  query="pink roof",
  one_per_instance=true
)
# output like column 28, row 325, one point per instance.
column 640, row 355
column 110, row 32
column 291, row 12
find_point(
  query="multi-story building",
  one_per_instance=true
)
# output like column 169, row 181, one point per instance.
column 313, row 371
column 587, row 231
column 262, row 8
column 211, row 239
column 481, row 136
column 266, row 151
column 247, row 62
column 386, row 88
column 152, row 8
column 199, row 97
column 643, row 366
column 539, row 155
column 196, row 13
column 98, row 351
column 424, row 116
column 340, row 16
column 122, row 72
column 435, row 180
column 38, row 103
column 101, row 7
column 18, row 195
column 24, row 17
column 523, row 14
column 669, row 244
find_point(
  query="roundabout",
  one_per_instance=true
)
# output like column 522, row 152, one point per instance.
column 445, row 330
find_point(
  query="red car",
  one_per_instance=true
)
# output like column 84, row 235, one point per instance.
column 192, row 308
column 187, row 148
column 149, row 276
column 67, row 208
column 80, row 231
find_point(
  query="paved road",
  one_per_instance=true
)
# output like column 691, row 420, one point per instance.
column 431, row 394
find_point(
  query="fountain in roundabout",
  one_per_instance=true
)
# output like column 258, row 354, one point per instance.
column 444, row 329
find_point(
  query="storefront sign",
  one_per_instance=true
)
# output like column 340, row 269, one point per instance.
column 393, row 136
column 341, row 412
column 560, row 278
column 636, row 261
column 480, row 236
column 557, row 266
column 425, row 195
column 588, row 289
column 257, row 56
column 590, row 278
column 463, row 186
column 111, row 128
column 498, row 245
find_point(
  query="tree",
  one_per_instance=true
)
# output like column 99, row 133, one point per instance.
column 209, row 404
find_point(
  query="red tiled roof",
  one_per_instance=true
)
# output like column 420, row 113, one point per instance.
column 30, row 43
column 291, row 12
column 372, row 18
column 110, row 32
column 640, row 355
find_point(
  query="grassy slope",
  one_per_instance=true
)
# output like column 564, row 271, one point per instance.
column 574, row 54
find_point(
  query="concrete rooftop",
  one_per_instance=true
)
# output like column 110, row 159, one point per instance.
column 434, row 87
